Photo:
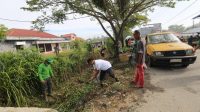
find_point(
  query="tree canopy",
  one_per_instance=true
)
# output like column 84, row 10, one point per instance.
column 176, row 28
column 118, row 14
column 3, row 31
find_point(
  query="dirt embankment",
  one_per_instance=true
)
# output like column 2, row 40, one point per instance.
column 119, row 96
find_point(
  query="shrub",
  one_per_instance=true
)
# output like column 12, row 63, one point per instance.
column 110, row 47
column 74, row 96
column 18, row 76
column 19, row 79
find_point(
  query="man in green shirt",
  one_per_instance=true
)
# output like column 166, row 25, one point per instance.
column 45, row 73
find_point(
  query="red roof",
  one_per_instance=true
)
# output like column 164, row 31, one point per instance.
column 69, row 35
column 29, row 33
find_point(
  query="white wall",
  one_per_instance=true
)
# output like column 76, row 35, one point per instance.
column 5, row 47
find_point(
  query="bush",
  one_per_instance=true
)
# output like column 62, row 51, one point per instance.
column 71, row 63
column 19, row 79
column 110, row 47
column 74, row 96
column 18, row 76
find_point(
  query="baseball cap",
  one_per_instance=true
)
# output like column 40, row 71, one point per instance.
column 49, row 60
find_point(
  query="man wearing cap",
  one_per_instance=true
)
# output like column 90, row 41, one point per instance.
column 45, row 73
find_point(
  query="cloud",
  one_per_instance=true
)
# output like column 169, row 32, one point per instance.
column 82, row 27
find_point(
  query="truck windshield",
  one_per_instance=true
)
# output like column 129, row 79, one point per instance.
column 163, row 38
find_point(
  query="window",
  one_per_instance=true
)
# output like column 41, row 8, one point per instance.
column 19, row 47
column 163, row 38
column 48, row 47
column 41, row 47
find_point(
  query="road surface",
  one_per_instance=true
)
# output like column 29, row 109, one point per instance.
column 181, row 90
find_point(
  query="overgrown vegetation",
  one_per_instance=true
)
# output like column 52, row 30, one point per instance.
column 74, row 94
column 3, row 30
column 18, row 77
column 19, row 82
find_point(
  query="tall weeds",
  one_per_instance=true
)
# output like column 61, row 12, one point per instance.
column 19, row 79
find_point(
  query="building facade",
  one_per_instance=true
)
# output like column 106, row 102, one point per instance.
column 17, row 39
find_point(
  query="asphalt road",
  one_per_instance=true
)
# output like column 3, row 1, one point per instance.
column 181, row 89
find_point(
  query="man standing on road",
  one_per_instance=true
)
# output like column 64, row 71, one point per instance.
column 45, row 73
column 139, row 59
column 101, row 67
column 190, row 40
column 198, row 44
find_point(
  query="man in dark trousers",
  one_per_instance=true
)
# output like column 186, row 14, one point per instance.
column 45, row 73
column 198, row 43
column 57, row 49
column 190, row 40
column 101, row 67
column 139, row 59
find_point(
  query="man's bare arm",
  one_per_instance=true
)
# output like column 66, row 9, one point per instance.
column 95, row 73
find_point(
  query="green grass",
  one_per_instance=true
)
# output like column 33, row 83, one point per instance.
column 18, row 77
column 19, row 81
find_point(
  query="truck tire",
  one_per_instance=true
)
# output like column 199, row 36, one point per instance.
column 184, row 65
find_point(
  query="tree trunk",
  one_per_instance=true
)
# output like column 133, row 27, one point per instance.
column 122, row 40
column 117, row 52
column 122, row 37
column 116, row 45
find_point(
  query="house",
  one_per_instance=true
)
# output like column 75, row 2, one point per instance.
column 17, row 39
column 71, row 36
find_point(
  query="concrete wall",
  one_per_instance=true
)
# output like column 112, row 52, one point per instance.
column 28, row 44
column 7, row 46
column 10, row 46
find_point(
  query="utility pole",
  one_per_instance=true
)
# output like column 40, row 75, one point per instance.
column 193, row 23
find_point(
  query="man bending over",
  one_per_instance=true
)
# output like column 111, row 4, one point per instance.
column 103, row 68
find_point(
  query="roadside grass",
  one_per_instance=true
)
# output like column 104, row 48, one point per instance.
column 20, row 85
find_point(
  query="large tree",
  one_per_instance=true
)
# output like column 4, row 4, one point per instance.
column 3, row 31
column 118, row 14
column 176, row 28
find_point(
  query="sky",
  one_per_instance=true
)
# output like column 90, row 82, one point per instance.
column 182, row 14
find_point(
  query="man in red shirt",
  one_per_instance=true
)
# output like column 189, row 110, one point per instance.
column 139, row 59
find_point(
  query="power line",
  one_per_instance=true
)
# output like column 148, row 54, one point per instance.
column 181, row 11
column 14, row 20
column 190, row 16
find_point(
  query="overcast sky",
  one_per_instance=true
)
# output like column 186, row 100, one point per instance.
column 10, row 9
